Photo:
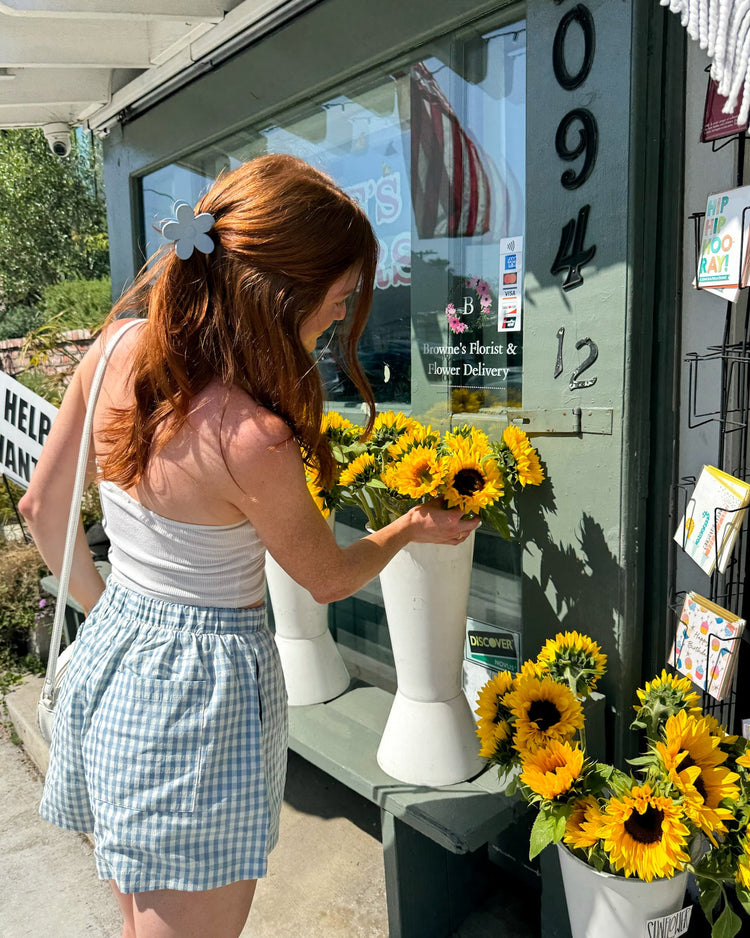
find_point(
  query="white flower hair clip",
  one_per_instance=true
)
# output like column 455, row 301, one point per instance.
column 188, row 231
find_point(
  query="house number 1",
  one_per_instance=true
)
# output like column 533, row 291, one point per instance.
column 575, row 383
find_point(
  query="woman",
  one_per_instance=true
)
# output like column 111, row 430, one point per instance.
column 170, row 730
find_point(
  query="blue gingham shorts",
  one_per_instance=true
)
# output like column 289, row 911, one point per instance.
column 170, row 743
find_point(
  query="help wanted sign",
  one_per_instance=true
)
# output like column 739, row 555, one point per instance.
column 25, row 422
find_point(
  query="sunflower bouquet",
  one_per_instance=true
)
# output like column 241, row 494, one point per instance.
column 684, row 805
column 344, row 438
column 404, row 463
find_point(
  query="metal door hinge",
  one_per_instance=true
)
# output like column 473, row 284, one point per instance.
column 572, row 420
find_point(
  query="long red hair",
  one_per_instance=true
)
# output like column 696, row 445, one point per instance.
column 284, row 233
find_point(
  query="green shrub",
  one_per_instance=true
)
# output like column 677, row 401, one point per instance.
column 21, row 568
column 18, row 321
column 77, row 304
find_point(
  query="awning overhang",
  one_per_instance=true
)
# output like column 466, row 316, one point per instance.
column 88, row 63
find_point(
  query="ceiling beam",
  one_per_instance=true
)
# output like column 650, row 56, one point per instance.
column 39, row 115
column 46, row 86
column 95, row 44
column 207, row 11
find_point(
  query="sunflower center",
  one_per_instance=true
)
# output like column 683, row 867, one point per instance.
column 468, row 481
column 698, row 785
column 424, row 474
column 544, row 714
column 645, row 828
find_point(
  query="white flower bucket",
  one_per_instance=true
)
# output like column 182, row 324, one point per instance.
column 601, row 905
column 430, row 737
column 314, row 670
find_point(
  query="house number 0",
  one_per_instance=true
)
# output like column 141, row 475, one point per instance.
column 572, row 253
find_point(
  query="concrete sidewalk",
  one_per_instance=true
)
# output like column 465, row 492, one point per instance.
column 325, row 877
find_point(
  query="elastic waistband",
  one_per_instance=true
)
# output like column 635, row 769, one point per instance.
column 163, row 614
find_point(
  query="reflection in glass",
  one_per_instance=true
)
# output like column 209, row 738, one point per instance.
column 435, row 153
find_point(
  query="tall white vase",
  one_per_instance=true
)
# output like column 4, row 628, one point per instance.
column 600, row 904
column 314, row 670
column 429, row 738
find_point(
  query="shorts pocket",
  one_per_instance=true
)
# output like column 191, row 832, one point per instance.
column 145, row 748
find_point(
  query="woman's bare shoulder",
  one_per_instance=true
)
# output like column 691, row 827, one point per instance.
column 242, row 422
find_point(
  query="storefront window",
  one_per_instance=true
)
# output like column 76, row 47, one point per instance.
column 434, row 149
column 435, row 152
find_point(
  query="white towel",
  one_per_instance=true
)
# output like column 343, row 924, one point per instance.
column 722, row 28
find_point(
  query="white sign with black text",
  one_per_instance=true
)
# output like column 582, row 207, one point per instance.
column 669, row 926
column 25, row 422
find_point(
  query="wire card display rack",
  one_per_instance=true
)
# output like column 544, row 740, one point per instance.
column 726, row 366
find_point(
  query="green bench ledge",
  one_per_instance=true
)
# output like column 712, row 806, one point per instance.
column 434, row 839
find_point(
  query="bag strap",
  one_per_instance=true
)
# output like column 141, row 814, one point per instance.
column 48, row 688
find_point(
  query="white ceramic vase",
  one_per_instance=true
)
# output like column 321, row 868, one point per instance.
column 314, row 670
column 429, row 737
column 600, row 904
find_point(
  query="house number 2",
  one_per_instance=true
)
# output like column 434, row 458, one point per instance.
column 575, row 383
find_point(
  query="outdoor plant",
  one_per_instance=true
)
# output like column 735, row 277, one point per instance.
column 22, row 607
column 683, row 805
column 404, row 463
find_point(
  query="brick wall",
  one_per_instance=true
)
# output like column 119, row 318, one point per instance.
column 64, row 358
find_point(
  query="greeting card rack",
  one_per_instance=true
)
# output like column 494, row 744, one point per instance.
column 726, row 368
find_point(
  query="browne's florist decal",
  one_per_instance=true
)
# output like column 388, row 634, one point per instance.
column 458, row 325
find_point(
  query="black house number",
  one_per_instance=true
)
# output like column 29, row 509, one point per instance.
column 572, row 253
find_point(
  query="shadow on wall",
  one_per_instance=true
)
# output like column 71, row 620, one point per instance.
column 578, row 588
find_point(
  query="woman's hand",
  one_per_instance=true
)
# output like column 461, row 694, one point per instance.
column 433, row 523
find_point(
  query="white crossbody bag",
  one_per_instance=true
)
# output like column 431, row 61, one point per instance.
column 57, row 663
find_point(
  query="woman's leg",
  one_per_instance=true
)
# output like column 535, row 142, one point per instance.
column 126, row 907
column 171, row 913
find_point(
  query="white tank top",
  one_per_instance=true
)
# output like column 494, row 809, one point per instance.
column 194, row 564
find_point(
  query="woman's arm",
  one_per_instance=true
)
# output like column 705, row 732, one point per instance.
column 46, row 503
column 270, row 490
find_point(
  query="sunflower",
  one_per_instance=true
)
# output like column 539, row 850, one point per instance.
column 464, row 400
column 574, row 659
column 338, row 429
column 465, row 438
column 418, row 475
column 318, row 497
column 493, row 726
column 360, row 471
column 583, row 824
column 644, row 834
column 543, row 710
column 744, row 760
column 527, row 469
column 531, row 669
column 390, row 425
column 552, row 770
column 490, row 700
column 720, row 731
column 495, row 738
column 693, row 760
column 420, row 435
column 662, row 698
column 743, row 864
column 472, row 482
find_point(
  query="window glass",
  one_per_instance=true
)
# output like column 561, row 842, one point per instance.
column 434, row 149
column 435, row 152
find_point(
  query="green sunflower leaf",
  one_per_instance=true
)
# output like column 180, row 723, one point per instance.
column 743, row 895
column 728, row 924
column 710, row 891
column 542, row 833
